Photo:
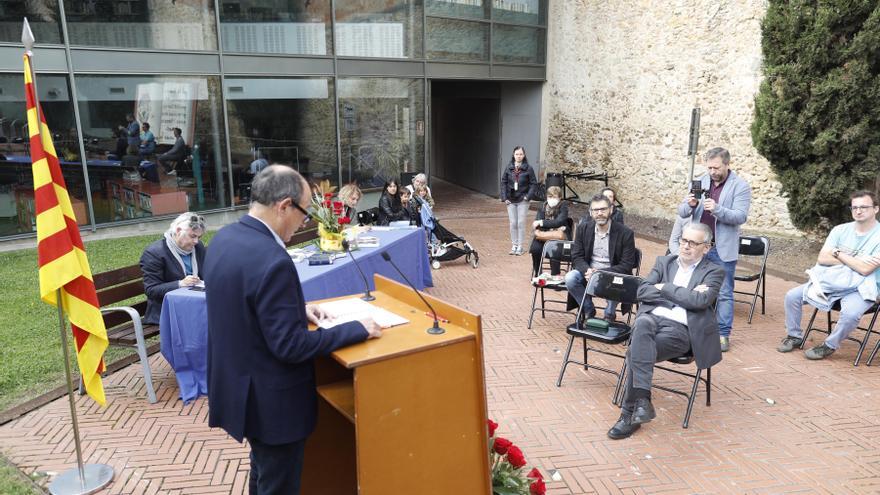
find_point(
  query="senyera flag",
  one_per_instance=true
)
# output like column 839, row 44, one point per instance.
column 62, row 256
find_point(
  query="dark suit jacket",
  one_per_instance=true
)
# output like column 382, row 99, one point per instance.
column 261, row 379
column 621, row 247
column 161, row 275
column 702, row 324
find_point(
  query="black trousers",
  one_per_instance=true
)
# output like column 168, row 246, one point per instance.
column 536, row 250
column 276, row 469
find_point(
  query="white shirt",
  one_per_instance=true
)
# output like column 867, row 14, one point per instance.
column 277, row 239
column 682, row 279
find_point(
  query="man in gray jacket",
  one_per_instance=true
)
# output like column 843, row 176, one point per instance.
column 724, row 208
column 675, row 315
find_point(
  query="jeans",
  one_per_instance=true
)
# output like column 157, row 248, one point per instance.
column 852, row 307
column 276, row 469
column 577, row 287
column 724, row 304
column 517, row 213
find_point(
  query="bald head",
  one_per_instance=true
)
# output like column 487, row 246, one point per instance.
column 276, row 183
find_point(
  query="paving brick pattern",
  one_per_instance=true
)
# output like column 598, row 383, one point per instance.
column 778, row 423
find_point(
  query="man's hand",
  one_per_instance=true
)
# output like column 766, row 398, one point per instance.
column 692, row 200
column 507, row 201
column 189, row 281
column 589, row 273
column 373, row 328
column 659, row 286
column 536, row 224
column 701, row 288
column 709, row 205
column 315, row 314
column 872, row 260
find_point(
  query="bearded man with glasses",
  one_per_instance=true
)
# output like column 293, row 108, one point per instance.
column 846, row 271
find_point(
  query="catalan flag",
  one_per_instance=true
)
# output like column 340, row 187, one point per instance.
column 61, row 254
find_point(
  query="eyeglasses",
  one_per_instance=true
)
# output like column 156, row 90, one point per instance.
column 861, row 208
column 691, row 244
column 598, row 210
column 304, row 212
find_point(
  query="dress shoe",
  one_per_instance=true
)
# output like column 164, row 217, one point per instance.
column 643, row 412
column 624, row 428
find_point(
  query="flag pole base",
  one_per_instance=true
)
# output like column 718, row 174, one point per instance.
column 96, row 476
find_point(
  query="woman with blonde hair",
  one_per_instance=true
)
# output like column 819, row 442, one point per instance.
column 350, row 195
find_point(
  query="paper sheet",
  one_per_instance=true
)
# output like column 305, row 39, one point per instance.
column 345, row 310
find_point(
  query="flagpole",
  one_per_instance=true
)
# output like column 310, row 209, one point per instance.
column 89, row 478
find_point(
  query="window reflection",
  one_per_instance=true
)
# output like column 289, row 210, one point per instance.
column 520, row 11
column 473, row 9
column 518, row 45
column 287, row 121
column 294, row 26
column 42, row 15
column 449, row 39
column 382, row 129
column 16, row 178
column 114, row 111
column 379, row 28
column 172, row 24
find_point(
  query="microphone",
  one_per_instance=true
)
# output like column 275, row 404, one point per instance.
column 367, row 296
column 434, row 330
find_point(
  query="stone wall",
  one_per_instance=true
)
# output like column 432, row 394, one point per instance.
column 623, row 77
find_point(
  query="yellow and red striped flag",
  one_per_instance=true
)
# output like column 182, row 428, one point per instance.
column 62, row 256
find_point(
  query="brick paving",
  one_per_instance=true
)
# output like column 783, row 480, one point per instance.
column 778, row 423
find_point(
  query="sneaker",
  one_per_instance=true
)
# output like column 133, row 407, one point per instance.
column 513, row 251
column 821, row 351
column 173, row 172
column 519, row 251
column 725, row 344
column 789, row 344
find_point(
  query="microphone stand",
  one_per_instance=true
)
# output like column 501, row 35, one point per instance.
column 436, row 329
column 367, row 296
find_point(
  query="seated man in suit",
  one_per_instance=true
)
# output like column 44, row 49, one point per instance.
column 675, row 316
column 173, row 156
column 173, row 262
column 599, row 244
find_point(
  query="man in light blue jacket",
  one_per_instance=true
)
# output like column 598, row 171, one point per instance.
column 724, row 207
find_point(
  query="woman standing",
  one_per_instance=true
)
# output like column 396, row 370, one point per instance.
column 517, row 188
column 390, row 208
column 553, row 215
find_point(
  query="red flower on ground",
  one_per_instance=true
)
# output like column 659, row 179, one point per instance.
column 537, row 488
column 516, row 457
column 502, row 444
column 492, row 427
column 535, row 474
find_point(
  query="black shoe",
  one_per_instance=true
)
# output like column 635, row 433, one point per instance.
column 624, row 428
column 643, row 412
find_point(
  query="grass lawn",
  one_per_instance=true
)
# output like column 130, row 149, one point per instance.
column 30, row 345
column 14, row 482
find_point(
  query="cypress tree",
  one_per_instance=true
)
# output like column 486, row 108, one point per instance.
column 817, row 113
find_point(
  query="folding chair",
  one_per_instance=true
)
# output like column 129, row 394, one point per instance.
column 557, row 251
column 607, row 285
column 753, row 247
column 863, row 343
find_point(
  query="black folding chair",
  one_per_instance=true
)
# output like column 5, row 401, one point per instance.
column 607, row 285
column 554, row 251
column 753, row 247
column 863, row 342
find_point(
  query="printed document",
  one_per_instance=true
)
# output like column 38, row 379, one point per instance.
column 345, row 310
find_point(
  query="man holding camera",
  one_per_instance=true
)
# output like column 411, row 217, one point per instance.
column 721, row 200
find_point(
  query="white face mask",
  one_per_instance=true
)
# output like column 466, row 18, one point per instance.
column 552, row 202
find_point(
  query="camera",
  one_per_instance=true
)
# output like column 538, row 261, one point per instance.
column 697, row 189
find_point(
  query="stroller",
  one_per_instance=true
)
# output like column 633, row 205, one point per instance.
column 443, row 245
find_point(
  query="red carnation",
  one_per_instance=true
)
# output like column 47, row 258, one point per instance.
column 344, row 220
column 537, row 488
column 516, row 457
column 337, row 205
column 327, row 203
column 502, row 444
column 328, row 195
column 492, row 427
column 534, row 473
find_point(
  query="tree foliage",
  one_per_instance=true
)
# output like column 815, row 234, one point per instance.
column 817, row 114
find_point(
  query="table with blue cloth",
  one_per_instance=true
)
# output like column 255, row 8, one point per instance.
column 184, row 321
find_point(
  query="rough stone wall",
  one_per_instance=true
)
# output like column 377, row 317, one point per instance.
column 623, row 77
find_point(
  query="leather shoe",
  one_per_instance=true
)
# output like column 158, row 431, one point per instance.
column 643, row 412
column 624, row 428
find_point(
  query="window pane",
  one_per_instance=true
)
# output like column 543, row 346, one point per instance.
column 16, row 178
column 42, row 15
column 114, row 110
column 473, row 9
column 382, row 129
column 379, row 28
column 518, row 45
column 173, row 25
column 457, row 40
column 520, row 11
column 281, row 121
column 296, row 26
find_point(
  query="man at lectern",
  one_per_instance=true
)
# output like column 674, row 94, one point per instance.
column 261, row 379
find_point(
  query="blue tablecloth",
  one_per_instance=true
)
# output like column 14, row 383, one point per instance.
column 183, row 325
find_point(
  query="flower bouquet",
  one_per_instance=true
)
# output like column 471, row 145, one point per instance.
column 508, row 465
column 328, row 215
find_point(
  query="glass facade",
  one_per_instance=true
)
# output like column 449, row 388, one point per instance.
column 177, row 100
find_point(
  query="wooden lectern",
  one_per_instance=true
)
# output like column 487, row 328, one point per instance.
column 404, row 414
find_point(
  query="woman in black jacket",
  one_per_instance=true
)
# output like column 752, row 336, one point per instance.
column 518, row 185
column 390, row 208
column 552, row 215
